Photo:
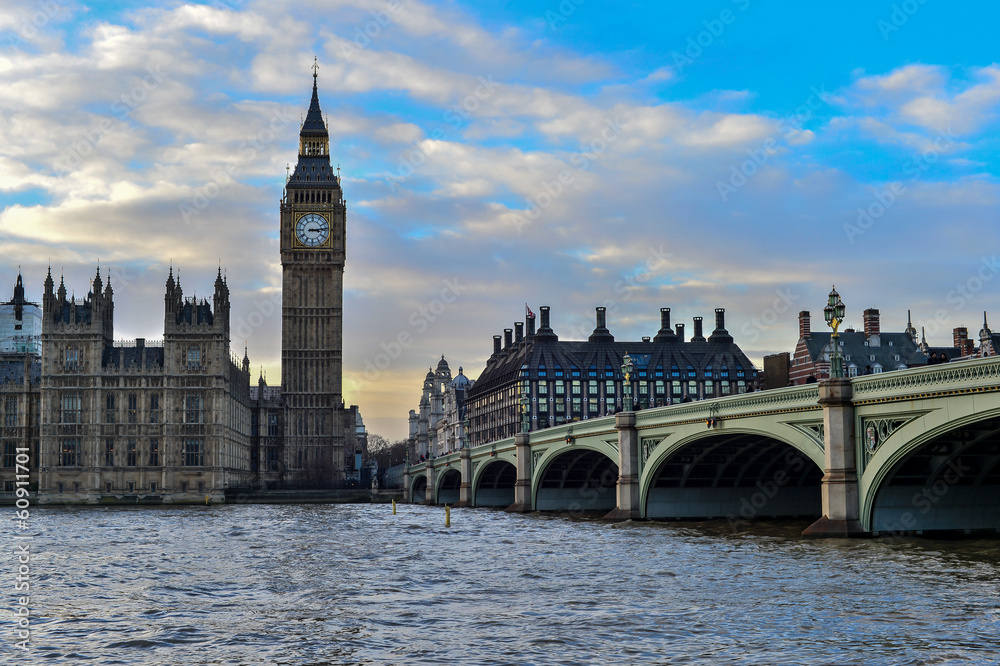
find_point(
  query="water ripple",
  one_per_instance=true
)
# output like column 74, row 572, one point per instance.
column 316, row 584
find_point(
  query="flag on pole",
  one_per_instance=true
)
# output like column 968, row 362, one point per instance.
column 530, row 314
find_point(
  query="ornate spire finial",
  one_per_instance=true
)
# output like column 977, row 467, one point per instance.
column 315, row 69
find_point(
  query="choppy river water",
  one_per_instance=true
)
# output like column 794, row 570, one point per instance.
column 318, row 584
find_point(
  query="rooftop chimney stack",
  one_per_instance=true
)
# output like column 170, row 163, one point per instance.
column 497, row 342
column 531, row 327
column 698, row 337
column 518, row 331
column 804, row 326
column 720, row 319
column 680, row 332
column 665, row 333
column 545, row 332
column 871, row 322
column 508, row 337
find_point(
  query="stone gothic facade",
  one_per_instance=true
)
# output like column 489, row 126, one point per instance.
column 177, row 420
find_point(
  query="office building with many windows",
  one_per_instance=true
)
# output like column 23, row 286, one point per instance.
column 567, row 381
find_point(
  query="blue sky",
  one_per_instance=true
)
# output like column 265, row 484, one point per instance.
column 736, row 154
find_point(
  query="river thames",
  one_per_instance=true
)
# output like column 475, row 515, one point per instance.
column 332, row 584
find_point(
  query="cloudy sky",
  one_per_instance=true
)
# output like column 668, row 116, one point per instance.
column 733, row 153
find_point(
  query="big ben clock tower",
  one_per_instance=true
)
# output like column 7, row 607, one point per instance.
column 313, row 217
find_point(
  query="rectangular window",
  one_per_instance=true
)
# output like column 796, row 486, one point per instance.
column 194, row 454
column 154, row 408
column 194, row 357
column 69, row 452
column 9, row 454
column 576, row 387
column 109, row 452
column 193, row 406
column 693, row 390
column 131, row 454
column 609, row 388
column 709, row 388
column 152, row 486
column 592, row 389
column 72, row 356
column 109, row 408
column 10, row 413
column 184, row 486
column 131, row 486
column 676, row 388
column 107, row 486
column 725, row 387
column 69, row 408
column 660, row 390
column 543, row 388
column 133, row 408
column 154, row 452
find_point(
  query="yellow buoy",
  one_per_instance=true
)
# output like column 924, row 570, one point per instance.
column 394, row 507
column 447, row 516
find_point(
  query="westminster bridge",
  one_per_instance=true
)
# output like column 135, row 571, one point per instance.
column 906, row 451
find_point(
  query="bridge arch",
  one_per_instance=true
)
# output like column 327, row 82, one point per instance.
column 582, row 477
column 448, row 490
column 493, row 483
column 942, row 476
column 418, row 489
column 737, row 473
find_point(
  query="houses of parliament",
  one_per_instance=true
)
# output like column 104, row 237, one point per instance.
column 180, row 420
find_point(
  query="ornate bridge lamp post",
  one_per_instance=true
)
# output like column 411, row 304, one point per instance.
column 465, row 432
column 525, row 403
column 834, row 315
column 627, row 369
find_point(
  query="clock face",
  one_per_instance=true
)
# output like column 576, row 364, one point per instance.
column 312, row 230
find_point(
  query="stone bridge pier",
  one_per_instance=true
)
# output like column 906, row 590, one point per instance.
column 841, row 501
